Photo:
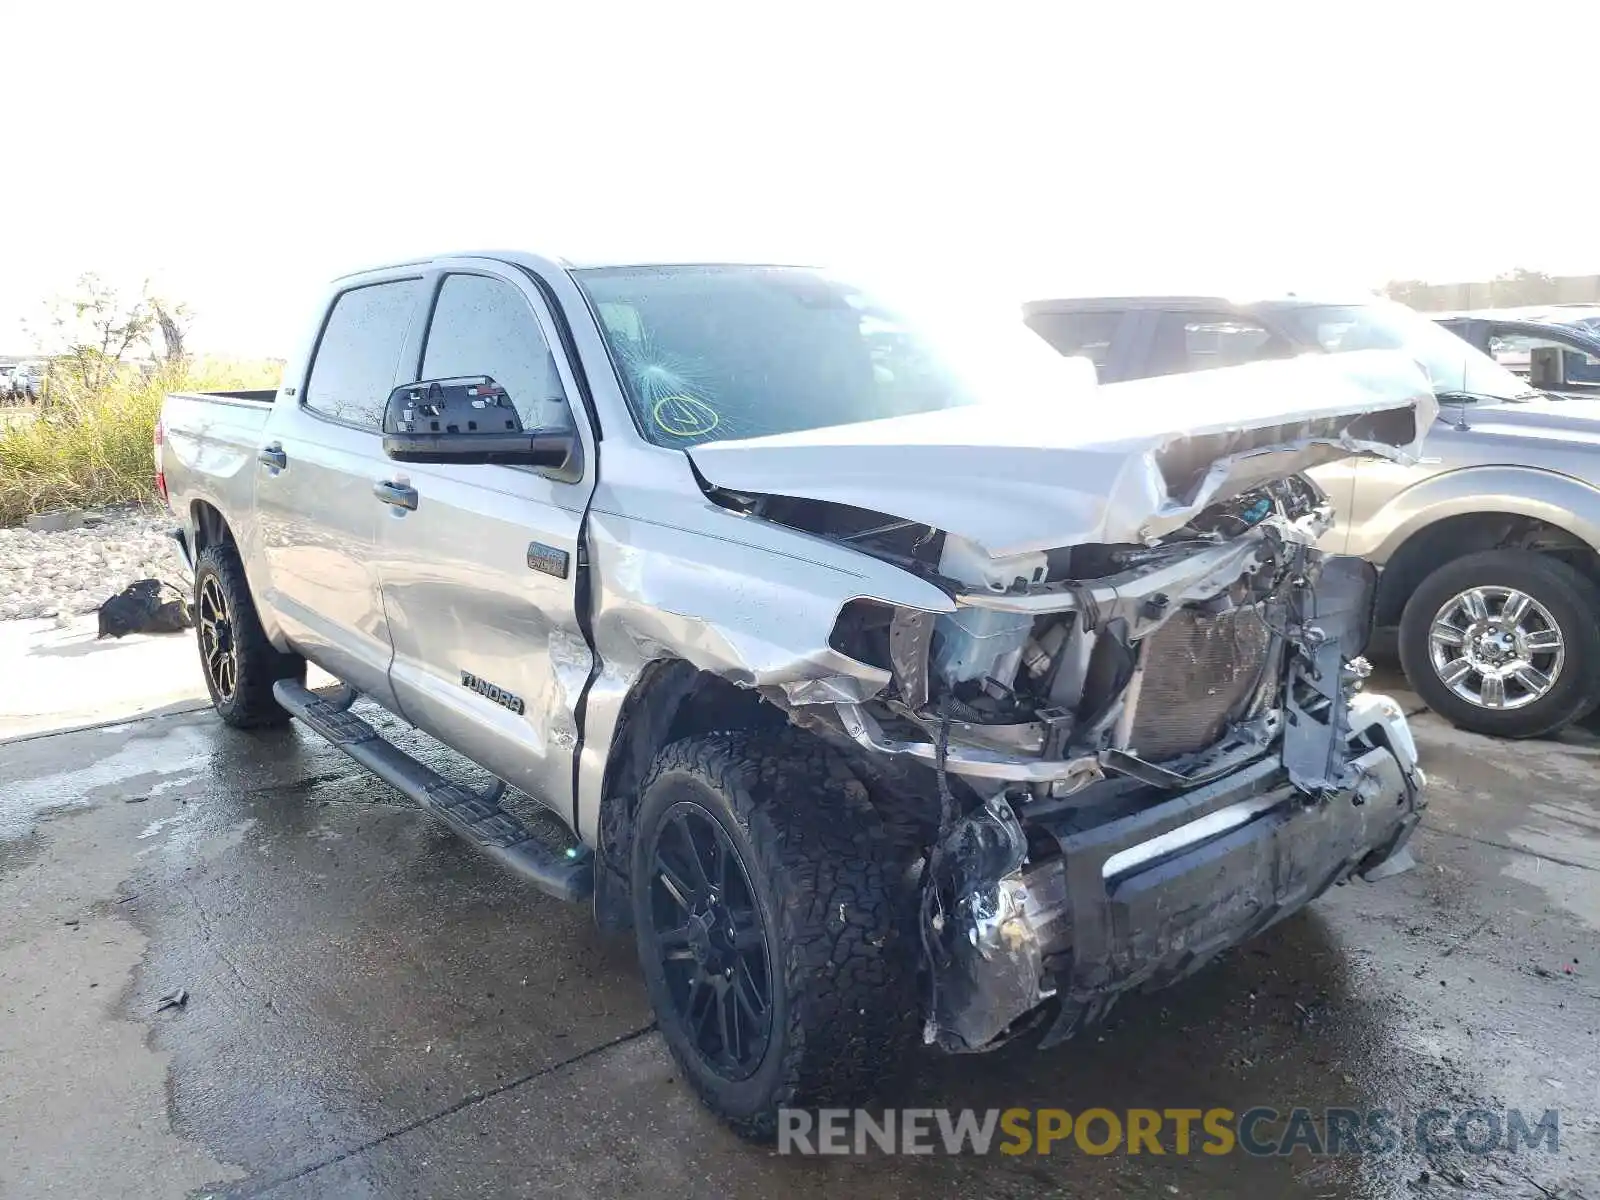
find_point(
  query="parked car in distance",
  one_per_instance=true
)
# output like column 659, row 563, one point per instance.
column 6, row 371
column 1489, row 547
column 1556, row 349
column 28, row 380
column 883, row 699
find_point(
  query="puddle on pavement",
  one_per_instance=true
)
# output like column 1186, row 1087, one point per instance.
column 155, row 827
column 174, row 754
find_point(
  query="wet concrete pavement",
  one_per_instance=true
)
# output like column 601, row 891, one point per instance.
column 374, row 1010
column 58, row 674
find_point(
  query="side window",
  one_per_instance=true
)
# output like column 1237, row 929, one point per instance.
column 1549, row 362
column 483, row 326
column 1200, row 341
column 1513, row 351
column 1581, row 368
column 1079, row 334
column 354, row 368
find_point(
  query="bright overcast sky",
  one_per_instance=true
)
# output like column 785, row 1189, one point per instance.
column 242, row 154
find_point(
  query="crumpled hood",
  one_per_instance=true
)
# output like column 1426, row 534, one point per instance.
column 1113, row 464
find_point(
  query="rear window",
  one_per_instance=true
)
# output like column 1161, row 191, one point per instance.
column 1203, row 341
column 359, row 351
column 1225, row 342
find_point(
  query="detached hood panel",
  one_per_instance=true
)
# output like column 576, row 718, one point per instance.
column 1113, row 464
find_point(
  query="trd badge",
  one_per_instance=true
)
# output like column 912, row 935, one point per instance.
column 547, row 559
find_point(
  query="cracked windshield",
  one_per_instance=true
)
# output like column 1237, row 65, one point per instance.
column 714, row 353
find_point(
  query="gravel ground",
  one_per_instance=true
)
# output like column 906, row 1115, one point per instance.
column 76, row 570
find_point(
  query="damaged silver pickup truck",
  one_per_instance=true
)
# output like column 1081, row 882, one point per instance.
column 885, row 694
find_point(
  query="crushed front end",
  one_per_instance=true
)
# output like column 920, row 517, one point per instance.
column 1137, row 755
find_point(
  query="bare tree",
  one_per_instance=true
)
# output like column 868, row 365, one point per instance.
column 171, row 318
column 97, row 326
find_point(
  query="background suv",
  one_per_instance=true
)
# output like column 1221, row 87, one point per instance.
column 1489, row 546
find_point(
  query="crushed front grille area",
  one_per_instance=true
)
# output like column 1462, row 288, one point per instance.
column 1200, row 672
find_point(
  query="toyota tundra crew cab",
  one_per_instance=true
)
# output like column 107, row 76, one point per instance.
column 885, row 693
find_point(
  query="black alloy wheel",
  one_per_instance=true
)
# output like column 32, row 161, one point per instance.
column 239, row 662
column 711, row 941
column 218, row 654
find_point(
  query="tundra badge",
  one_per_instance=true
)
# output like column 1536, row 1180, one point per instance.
column 490, row 692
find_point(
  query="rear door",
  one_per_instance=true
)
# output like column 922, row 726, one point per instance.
column 479, row 578
column 316, row 512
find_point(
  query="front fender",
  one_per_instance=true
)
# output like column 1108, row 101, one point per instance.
column 744, row 600
column 1561, row 500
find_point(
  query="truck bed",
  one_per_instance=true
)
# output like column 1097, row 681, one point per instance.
column 256, row 396
column 210, row 441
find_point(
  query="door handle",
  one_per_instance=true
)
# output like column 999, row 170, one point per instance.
column 272, row 456
column 400, row 495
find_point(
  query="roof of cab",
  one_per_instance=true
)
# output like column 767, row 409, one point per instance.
column 1537, row 314
column 1201, row 303
column 528, row 257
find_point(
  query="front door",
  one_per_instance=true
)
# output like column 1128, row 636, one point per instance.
column 316, row 512
column 479, row 577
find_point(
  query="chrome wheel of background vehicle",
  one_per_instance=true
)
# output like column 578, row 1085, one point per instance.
column 1496, row 647
column 1504, row 642
column 217, row 649
column 711, row 941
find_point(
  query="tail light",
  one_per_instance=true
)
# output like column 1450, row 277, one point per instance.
column 161, row 475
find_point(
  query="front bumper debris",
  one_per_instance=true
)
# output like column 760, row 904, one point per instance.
column 1060, row 930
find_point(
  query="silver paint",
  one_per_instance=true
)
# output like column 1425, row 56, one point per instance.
column 1116, row 470
column 398, row 603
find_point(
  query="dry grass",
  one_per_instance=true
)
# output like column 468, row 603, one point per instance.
column 88, row 448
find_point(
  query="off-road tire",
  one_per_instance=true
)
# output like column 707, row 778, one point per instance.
column 259, row 664
column 830, row 889
column 1571, row 597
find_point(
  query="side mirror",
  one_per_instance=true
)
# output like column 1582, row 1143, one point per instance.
column 469, row 420
column 1546, row 367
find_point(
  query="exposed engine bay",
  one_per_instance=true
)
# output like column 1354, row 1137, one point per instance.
column 1060, row 667
column 1185, row 688
column 1134, row 734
